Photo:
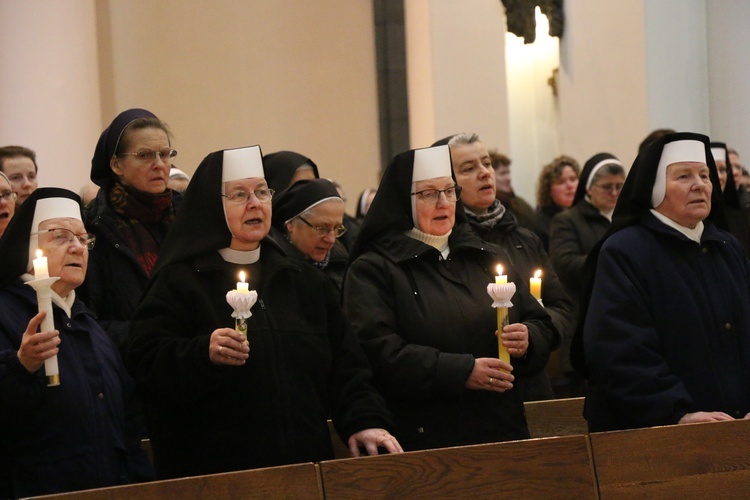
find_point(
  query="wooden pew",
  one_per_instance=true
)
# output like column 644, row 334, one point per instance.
column 301, row 481
column 555, row 417
column 709, row 460
column 536, row 468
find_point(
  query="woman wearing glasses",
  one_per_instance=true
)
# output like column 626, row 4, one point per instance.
column 7, row 202
column 130, row 216
column 574, row 232
column 216, row 404
column 308, row 219
column 416, row 294
column 75, row 435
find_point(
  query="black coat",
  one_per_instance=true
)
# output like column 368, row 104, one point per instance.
column 305, row 365
column 527, row 254
column 115, row 279
column 423, row 320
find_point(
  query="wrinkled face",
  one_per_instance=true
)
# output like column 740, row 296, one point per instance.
column 7, row 204
column 66, row 256
column 436, row 218
column 474, row 173
column 311, row 241
column 22, row 174
column 150, row 176
column 605, row 190
column 721, row 168
column 734, row 159
column 563, row 190
column 687, row 198
column 248, row 222
column 502, row 179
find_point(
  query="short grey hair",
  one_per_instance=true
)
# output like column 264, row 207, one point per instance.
column 464, row 138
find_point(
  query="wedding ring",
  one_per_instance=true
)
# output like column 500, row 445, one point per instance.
column 220, row 348
column 490, row 380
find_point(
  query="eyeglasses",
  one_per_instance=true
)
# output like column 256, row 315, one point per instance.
column 324, row 230
column 147, row 155
column 612, row 188
column 242, row 197
column 8, row 196
column 64, row 237
column 431, row 196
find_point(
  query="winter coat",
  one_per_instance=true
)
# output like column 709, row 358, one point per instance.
column 527, row 254
column 304, row 366
column 668, row 328
column 69, row 437
column 423, row 320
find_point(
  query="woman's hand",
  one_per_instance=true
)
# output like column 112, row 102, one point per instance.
column 37, row 347
column 371, row 440
column 490, row 374
column 704, row 416
column 516, row 339
column 226, row 348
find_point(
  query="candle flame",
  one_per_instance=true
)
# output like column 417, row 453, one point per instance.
column 242, row 276
column 499, row 269
column 538, row 273
column 38, row 253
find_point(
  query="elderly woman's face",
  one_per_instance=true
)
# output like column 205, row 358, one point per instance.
column 312, row 241
column 249, row 222
column 687, row 197
column 605, row 190
column 435, row 216
column 563, row 190
column 150, row 176
column 66, row 256
column 7, row 204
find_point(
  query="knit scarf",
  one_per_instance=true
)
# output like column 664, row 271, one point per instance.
column 142, row 219
column 494, row 213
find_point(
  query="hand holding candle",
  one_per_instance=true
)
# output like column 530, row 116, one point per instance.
column 501, row 292
column 535, row 285
column 42, row 283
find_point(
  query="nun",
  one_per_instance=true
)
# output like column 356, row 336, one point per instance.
column 737, row 223
column 666, row 334
column 74, row 435
column 130, row 215
column 308, row 219
column 574, row 232
column 216, row 404
column 416, row 293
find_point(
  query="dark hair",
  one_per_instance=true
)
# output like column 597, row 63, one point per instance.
column 498, row 159
column 549, row 174
column 608, row 169
column 140, row 124
column 15, row 152
column 656, row 134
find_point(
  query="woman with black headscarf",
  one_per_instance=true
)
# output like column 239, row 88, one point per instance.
column 416, row 293
column 74, row 435
column 575, row 231
column 737, row 223
column 214, row 403
column 308, row 218
column 666, row 335
column 130, row 216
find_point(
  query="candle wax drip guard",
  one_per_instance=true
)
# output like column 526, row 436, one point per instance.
column 241, row 303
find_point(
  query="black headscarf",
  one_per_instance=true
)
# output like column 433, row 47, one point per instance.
column 586, row 173
column 634, row 203
column 299, row 197
column 101, row 173
column 391, row 207
column 14, row 245
column 281, row 166
column 731, row 196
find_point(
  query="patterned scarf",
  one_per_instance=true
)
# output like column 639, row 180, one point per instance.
column 143, row 220
column 494, row 213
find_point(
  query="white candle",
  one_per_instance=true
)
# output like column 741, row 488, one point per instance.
column 243, row 287
column 535, row 284
column 501, row 278
column 40, row 266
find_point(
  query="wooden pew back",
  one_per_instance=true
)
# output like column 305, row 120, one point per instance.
column 555, row 417
column 301, row 481
column 709, row 460
column 516, row 469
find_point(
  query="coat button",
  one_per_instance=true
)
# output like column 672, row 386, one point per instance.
column 117, row 245
column 727, row 326
column 69, row 325
column 704, row 250
column 101, row 395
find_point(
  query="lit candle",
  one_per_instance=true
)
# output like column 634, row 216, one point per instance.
column 243, row 287
column 40, row 266
column 535, row 284
column 501, row 278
